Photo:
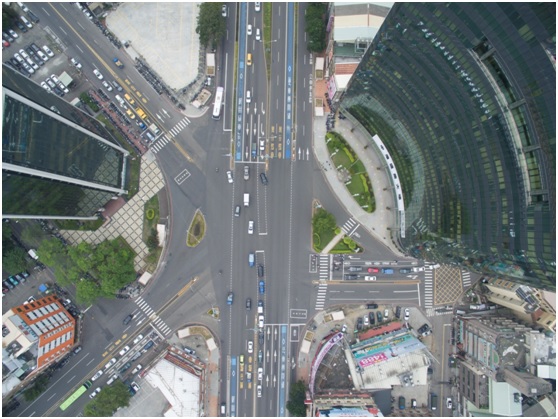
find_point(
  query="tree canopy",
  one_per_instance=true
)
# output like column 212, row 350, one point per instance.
column 316, row 26
column 211, row 25
column 108, row 400
column 97, row 271
column 297, row 395
column 323, row 221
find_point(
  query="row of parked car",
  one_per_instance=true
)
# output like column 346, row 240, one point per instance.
column 28, row 60
column 13, row 281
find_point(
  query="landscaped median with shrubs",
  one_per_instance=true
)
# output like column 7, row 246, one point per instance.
column 324, row 229
column 352, row 171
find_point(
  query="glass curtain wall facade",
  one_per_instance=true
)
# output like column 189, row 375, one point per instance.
column 463, row 95
column 57, row 161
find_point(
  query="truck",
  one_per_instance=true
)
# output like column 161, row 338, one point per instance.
column 246, row 199
column 118, row 63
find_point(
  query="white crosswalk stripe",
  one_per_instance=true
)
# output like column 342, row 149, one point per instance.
column 320, row 299
column 157, row 321
column 428, row 289
column 323, row 267
column 466, row 275
column 173, row 132
column 431, row 312
column 350, row 226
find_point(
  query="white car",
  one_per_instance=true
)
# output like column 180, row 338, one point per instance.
column 135, row 386
column 224, row 10
column 369, row 278
column 449, row 404
column 135, row 370
column 250, row 347
column 261, row 321
column 249, row 30
column 259, row 390
column 13, row 33
column 407, row 314
column 97, row 391
column 75, row 62
column 136, row 340
column 48, row 51
column 97, row 375
column 258, row 36
column 108, row 86
column 42, row 55
column 124, row 350
column 45, row 86
column 112, row 379
column 262, row 146
column 366, row 321
column 229, row 176
column 257, row 6
column 54, row 79
column 98, row 74
column 246, row 173
column 248, row 96
column 386, row 313
column 110, row 363
column 23, row 53
column 344, row 329
column 250, row 227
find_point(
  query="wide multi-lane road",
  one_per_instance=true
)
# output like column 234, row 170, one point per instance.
column 271, row 133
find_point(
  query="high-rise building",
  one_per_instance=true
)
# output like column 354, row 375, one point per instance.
column 463, row 97
column 57, row 161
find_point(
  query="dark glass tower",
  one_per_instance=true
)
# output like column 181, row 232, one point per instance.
column 57, row 161
column 463, row 95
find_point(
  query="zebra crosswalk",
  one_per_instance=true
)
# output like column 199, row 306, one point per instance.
column 164, row 139
column 350, row 227
column 150, row 313
column 466, row 276
column 431, row 312
column 320, row 299
column 323, row 267
column 428, row 289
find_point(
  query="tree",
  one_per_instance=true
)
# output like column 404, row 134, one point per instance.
column 211, row 26
column 13, row 261
column 316, row 26
column 108, row 400
column 297, row 395
column 87, row 291
column 323, row 221
column 38, row 387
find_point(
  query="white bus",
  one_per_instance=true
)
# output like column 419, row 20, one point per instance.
column 218, row 103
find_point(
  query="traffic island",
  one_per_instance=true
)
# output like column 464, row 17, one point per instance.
column 327, row 237
column 196, row 231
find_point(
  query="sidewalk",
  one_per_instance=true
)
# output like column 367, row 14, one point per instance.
column 378, row 222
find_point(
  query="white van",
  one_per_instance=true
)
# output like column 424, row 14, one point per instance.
column 27, row 23
column 120, row 100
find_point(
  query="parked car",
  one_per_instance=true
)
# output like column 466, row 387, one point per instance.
column 379, row 316
column 373, row 270
column 405, row 270
column 355, row 268
column 407, row 314
column 365, row 320
column 369, row 278
column 372, row 318
column 371, row 306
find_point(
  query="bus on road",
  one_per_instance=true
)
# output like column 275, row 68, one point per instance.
column 218, row 103
column 77, row 394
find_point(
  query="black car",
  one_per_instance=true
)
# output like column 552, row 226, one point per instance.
column 261, row 338
column 32, row 16
column 20, row 26
column 125, row 368
column 128, row 319
column 8, row 284
column 405, row 270
column 372, row 318
column 398, row 312
column 371, row 306
column 248, row 304
column 34, row 47
column 263, row 178
column 351, row 277
column 379, row 316
column 359, row 323
column 260, row 271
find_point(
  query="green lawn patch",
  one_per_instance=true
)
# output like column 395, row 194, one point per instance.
column 357, row 180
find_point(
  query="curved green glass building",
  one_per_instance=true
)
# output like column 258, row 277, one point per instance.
column 463, row 96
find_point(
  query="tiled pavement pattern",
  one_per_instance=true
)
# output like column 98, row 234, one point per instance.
column 128, row 221
column 448, row 285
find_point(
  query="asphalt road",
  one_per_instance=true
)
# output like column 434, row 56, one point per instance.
column 281, row 212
